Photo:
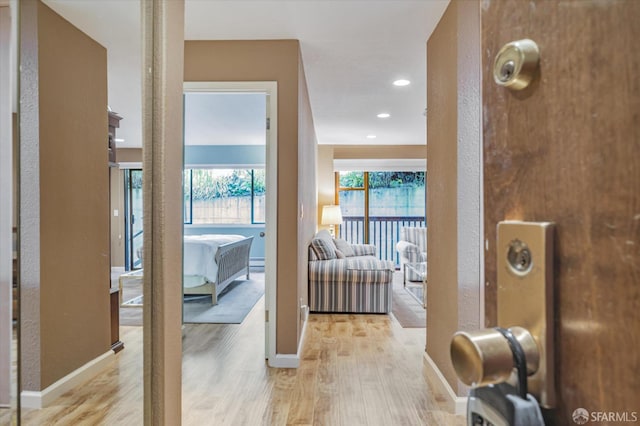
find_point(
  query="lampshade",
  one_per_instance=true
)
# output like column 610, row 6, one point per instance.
column 331, row 215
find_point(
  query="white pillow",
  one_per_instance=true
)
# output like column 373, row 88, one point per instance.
column 344, row 247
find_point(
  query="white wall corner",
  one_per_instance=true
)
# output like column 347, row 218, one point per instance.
column 44, row 398
column 290, row 360
column 454, row 404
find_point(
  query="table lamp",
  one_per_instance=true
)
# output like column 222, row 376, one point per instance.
column 331, row 216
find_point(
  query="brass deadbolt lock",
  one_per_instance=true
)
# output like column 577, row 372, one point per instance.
column 516, row 64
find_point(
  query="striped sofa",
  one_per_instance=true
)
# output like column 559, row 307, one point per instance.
column 347, row 277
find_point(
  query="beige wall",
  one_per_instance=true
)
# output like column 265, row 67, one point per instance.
column 453, row 164
column 307, row 185
column 326, row 180
column 129, row 155
column 442, row 118
column 267, row 60
column 116, row 202
column 64, row 182
column 378, row 151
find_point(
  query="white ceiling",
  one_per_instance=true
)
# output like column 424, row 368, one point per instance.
column 352, row 51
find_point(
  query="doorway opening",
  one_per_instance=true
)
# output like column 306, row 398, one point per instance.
column 230, row 177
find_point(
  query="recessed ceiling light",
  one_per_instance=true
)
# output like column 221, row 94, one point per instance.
column 384, row 115
column 401, row 82
column 371, row 136
column 119, row 140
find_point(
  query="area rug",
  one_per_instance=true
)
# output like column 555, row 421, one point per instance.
column 234, row 303
column 236, row 297
column 406, row 309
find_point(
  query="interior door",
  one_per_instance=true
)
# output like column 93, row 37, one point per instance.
column 567, row 149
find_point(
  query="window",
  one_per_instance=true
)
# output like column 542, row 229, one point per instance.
column 218, row 196
column 376, row 205
column 396, row 194
column 352, row 197
column 351, row 180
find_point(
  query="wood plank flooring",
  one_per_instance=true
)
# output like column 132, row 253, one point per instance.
column 355, row 370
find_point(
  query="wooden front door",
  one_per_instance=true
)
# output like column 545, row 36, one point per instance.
column 567, row 150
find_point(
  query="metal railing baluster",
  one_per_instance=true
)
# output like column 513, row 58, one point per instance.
column 384, row 232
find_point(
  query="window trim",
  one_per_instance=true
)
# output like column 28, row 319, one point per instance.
column 365, row 188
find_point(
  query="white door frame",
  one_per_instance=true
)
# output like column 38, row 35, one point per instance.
column 271, row 177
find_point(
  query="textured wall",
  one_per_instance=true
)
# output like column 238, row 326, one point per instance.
column 6, row 207
column 29, row 199
column 442, row 186
column 454, row 182
column 470, row 247
column 307, row 184
column 162, row 94
column 64, row 207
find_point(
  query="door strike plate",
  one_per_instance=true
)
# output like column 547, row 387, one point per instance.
column 525, row 293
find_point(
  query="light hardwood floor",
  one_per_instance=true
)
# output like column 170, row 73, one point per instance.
column 355, row 370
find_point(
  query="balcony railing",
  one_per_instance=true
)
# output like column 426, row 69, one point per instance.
column 384, row 232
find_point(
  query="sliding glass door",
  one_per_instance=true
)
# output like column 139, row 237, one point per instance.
column 133, row 219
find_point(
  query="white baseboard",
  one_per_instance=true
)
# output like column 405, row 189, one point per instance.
column 292, row 360
column 455, row 404
column 41, row 399
column 303, row 334
column 256, row 262
column 285, row 361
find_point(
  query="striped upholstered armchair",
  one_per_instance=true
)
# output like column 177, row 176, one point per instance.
column 412, row 248
column 347, row 277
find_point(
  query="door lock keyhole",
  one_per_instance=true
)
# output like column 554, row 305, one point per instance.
column 519, row 257
column 506, row 71
column 516, row 64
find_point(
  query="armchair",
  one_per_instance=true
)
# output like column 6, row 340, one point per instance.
column 412, row 248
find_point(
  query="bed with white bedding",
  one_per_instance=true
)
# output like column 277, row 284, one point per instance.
column 213, row 261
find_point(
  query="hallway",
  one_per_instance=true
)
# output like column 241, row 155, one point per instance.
column 356, row 370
